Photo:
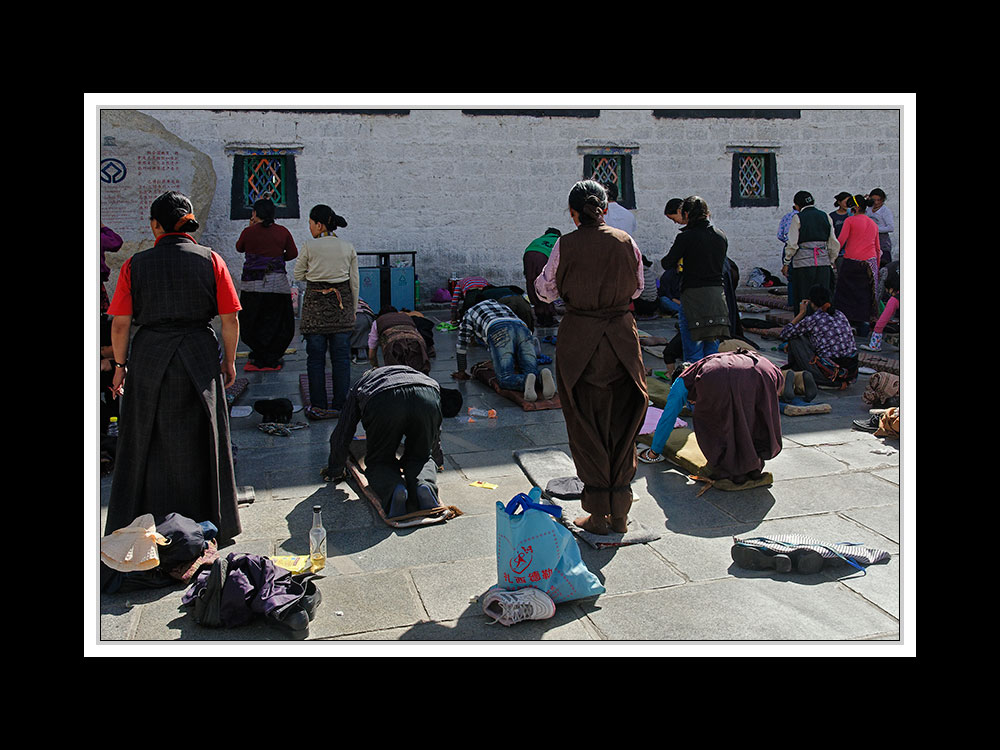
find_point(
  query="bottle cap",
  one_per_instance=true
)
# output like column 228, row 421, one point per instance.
column 317, row 508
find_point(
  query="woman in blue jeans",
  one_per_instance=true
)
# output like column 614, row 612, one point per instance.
column 329, row 266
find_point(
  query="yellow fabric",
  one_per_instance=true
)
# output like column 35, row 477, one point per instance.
column 682, row 449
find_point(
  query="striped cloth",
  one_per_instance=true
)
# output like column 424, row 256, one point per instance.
column 463, row 286
column 784, row 543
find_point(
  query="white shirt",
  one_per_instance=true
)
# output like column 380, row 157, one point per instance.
column 620, row 217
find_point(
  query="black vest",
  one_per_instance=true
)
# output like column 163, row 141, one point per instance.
column 173, row 284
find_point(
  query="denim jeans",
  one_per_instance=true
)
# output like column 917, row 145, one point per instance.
column 694, row 350
column 676, row 399
column 339, row 345
column 511, row 347
column 669, row 305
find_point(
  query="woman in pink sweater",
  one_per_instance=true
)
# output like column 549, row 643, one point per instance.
column 858, row 275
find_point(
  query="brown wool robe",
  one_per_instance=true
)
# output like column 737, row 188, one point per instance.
column 401, row 342
column 600, row 374
column 737, row 417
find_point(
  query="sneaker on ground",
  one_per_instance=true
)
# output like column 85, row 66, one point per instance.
column 511, row 607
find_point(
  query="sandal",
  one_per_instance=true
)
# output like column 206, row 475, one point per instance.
column 648, row 456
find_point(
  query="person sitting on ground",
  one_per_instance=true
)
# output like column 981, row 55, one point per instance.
column 821, row 341
column 891, row 309
column 400, row 340
column 462, row 287
column 511, row 349
column 396, row 405
column 737, row 418
column 647, row 303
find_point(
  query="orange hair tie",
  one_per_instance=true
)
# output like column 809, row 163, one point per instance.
column 182, row 221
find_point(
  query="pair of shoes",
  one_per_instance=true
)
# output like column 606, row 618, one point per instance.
column 648, row 456
column 805, row 561
column 868, row 425
column 426, row 497
column 397, row 502
column 511, row 607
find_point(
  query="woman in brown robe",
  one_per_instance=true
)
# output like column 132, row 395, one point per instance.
column 597, row 271
column 737, row 417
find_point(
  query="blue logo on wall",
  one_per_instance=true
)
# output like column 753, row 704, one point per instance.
column 112, row 171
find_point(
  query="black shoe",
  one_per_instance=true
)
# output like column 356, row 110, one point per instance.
column 311, row 600
column 293, row 621
column 805, row 561
column 867, row 425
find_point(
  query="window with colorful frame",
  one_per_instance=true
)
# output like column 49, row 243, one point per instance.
column 615, row 168
column 754, row 178
column 264, row 173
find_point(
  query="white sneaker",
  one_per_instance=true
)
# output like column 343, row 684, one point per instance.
column 548, row 384
column 511, row 607
column 529, row 387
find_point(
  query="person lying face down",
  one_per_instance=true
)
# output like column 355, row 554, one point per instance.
column 396, row 405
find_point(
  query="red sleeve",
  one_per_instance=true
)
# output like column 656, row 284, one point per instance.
column 225, row 292
column 121, row 303
column 241, row 242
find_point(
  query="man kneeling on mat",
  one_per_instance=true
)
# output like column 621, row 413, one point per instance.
column 511, row 348
column 395, row 403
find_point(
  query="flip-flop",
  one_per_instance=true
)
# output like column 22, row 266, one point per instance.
column 642, row 457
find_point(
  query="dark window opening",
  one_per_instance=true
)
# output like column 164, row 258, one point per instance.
column 264, row 175
column 615, row 169
column 755, row 180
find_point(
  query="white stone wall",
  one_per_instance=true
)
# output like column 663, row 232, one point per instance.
column 469, row 193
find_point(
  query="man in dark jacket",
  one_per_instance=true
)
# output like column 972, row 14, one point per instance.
column 395, row 403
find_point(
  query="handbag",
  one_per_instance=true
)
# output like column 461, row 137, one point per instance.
column 535, row 550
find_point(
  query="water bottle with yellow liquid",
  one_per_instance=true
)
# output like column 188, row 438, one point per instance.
column 317, row 541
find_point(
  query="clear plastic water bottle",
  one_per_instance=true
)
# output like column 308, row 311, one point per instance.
column 113, row 427
column 317, row 541
column 475, row 411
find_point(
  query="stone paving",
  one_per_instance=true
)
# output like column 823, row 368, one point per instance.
column 422, row 585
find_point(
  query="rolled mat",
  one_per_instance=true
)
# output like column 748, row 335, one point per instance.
column 484, row 373
column 237, row 389
column 799, row 410
column 554, row 472
column 304, row 387
column 355, row 467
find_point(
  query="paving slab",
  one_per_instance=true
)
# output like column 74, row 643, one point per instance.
column 396, row 586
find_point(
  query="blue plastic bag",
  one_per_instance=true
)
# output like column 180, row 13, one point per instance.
column 534, row 549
